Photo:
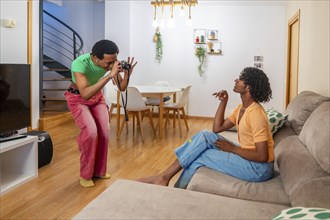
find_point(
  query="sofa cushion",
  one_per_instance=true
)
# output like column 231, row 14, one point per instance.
column 126, row 199
column 313, row 193
column 296, row 164
column 284, row 132
column 300, row 108
column 315, row 135
column 276, row 119
column 210, row 181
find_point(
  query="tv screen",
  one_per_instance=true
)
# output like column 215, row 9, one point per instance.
column 14, row 97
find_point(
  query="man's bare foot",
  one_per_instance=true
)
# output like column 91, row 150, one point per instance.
column 158, row 180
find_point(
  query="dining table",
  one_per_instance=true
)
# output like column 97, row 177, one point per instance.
column 153, row 91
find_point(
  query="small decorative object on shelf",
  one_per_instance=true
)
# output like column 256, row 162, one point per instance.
column 199, row 36
column 209, row 47
column 200, row 53
column 202, row 38
column 212, row 34
column 159, row 46
column 213, row 47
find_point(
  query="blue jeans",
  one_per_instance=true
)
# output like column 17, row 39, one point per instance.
column 200, row 151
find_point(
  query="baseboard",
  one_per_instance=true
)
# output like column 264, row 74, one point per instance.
column 155, row 115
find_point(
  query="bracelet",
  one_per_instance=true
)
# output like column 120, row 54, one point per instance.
column 108, row 75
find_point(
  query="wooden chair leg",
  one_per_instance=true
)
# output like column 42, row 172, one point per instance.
column 185, row 118
column 157, row 124
column 113, row 105
column 126, row 122
column 179, row 122
column 157, row 114
column 152, row 122
column 121, row 128
column 139, row 124
column 167, row 118
column 134, row 116
column 142, row 116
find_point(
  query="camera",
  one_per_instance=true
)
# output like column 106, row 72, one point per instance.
column 125, row 65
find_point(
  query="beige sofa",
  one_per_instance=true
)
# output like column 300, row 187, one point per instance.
column 302, row 165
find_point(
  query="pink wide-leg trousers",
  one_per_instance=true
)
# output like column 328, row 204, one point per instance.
column 92, row 117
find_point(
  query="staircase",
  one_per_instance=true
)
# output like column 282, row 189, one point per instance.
column 53, row 85
column 61, row 45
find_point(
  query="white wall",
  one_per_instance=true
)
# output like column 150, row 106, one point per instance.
column 245, row 29
column 118, row 25
column 314, row 45
column 13, row 44
column 13, row 40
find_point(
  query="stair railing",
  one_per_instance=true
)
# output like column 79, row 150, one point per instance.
column 60, row 41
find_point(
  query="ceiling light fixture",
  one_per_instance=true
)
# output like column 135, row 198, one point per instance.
column 172, row 3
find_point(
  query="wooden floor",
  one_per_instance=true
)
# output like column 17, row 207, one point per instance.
column 56, row 193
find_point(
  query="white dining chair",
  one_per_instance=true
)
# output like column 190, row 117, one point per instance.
column 176, row 108
column 111, row 99
column 135, row 106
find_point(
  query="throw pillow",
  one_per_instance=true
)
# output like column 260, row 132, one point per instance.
column 303, row 213
column 276, row 119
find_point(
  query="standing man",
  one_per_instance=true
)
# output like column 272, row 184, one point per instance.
column 85, row 99
column 251, row 159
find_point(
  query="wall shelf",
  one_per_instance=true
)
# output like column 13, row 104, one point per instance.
column 212, row 34
column 214, row 47
column 209, row 37
column 199, row 36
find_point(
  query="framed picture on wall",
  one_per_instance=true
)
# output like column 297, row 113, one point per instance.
column 259, row 65
column 258, row 59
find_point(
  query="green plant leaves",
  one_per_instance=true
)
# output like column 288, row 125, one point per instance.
column 159, row 48
column 200, row 53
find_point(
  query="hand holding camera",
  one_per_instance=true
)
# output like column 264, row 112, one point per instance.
column 128, row 65
column 125, row 65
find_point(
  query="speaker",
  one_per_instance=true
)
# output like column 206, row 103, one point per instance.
column 45, row 147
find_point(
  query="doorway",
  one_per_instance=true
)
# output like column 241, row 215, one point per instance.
column 293, row 57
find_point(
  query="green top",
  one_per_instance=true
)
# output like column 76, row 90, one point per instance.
column 85, row 65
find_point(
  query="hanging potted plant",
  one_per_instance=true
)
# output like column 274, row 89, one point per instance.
column 200, row 53
column 159, row 46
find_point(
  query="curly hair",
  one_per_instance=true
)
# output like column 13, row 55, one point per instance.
column 259, row 84
column 104, row 47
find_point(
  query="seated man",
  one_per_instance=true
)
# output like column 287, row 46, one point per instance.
column 251, row 159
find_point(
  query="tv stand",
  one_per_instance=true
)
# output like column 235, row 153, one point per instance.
column 10, row 138
column 18, row 162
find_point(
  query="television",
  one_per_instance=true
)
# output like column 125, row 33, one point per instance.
column 14, row 100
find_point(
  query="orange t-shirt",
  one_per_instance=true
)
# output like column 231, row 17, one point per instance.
column 253, row 127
